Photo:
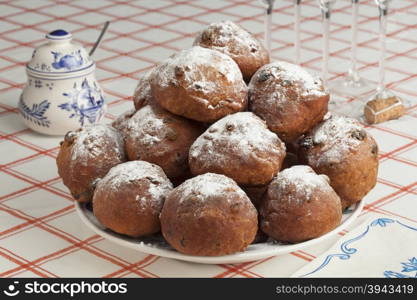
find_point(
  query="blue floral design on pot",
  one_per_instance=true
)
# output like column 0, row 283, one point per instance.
column 68, row 61
column 36, row 113
column 85, row 103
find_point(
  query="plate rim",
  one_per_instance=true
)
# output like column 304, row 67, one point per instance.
column 269, row 250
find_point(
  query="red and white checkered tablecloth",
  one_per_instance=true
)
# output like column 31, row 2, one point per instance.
column 40, row 233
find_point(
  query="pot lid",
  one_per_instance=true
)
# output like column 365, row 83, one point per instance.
column 59, row 55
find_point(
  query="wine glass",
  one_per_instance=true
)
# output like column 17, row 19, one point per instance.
column 352, row 84
column 269, row 7
column 382, row 92
column 326, row 10
column 297, row 17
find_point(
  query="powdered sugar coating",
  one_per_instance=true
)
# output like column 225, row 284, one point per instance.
column 86, row 155
column 160, row 137
column 189, row 62
column 288, row 76
column 130, row 197
column 143, row 94
column 302, row 181
column 340, row 148
column 229, row 38
column 199, row 84
column 147, row 126
column 243, row 131
column 288, row 98
column 92, row 141
column 209, row 185
column 239, row 146
column 337, row 136
column 121, row 121
column 129, row 172
column 299, row 205
column 208, row 215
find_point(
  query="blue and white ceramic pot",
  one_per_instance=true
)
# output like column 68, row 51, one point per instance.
column 61, row 93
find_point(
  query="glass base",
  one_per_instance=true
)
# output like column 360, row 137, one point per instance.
column 382, row 94
column 350, row 108
column 387, row 94
column 352, row 87
column 354, row 108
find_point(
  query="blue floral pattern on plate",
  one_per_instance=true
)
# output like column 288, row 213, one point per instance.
column 36, row 113
column 85, row 103
column 347, row 251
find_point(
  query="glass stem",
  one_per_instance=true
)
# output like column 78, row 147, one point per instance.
column 268, row 25
column 297, row 14
column 383, row 12
column 353, row 71
column 326, row 33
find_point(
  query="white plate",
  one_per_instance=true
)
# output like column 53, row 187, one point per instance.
column 157, row 246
